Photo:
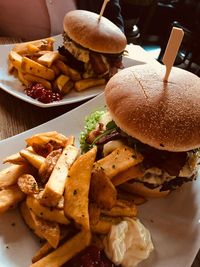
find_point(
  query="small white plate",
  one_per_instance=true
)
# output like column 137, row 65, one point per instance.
column 174, row 221
column 13, row 86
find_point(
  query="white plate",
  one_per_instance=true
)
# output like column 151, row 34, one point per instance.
column 173, row 221
column 12, row 85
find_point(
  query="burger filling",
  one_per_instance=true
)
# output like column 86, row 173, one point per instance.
column 162, row 169
column 89, row 63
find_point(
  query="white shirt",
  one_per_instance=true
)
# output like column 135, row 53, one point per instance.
column 35, row 19
column 57, row 10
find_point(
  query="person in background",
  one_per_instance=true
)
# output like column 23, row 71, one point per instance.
column 30, row 20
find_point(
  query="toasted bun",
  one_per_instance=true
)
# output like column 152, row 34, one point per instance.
column 164, row 115
column 84, row 28
column 142, row 190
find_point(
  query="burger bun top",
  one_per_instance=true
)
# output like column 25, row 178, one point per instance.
column 84, row 28
column 164, row 115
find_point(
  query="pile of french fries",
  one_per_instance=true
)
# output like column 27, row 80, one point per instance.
column 67, row 199
column 38, row 62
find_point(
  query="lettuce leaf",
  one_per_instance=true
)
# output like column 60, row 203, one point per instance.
column 91, row 122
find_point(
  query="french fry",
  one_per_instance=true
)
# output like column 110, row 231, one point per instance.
column 15, row 159
column 44, row 229
column 64, row 84
column 94, row 213
column 66, row 251
column 15, row 59
column 55, row 186
column 47, row 248
column 88, row 83
column 122, row 208
column 27, row 184
column 30, row 66
column 27, row 217
column 77, row 189
column 62, row 80
column 32, row 48
column 48, row 58
column 47, row 134
column 10, row 197
column 49, row 163
column 60, row 204
column 102, row 191
column 55, row 69
column 44, row 149
column 42, row 44
column 101, row 227
column 104, row 224
column 136, row 199
column 32, row 78
column 129, row 174
column 72, row 188
column 43, row 251
column 36, row 55
column 49, row 214
column 48, row 44
column 73, row 74
column 21, row 78
column 34, row 159
column 10, row 175
column 11, row 68
column 49, row 230
column 49, row 137
column 119, row 160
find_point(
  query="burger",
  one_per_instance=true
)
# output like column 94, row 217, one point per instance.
column 93, row 47
column 160, row 120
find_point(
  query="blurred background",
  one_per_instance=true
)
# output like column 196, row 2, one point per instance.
column 149, row 22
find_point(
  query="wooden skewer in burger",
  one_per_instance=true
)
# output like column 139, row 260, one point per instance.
column 103, row 8
column 171, row 51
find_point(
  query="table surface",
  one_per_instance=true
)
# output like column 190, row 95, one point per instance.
column 17, row 116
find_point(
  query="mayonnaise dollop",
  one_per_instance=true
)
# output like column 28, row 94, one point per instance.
column 128, row 243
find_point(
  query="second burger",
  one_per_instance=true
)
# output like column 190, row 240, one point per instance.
column 93, row 47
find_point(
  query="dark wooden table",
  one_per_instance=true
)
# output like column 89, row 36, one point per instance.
column 17, row 116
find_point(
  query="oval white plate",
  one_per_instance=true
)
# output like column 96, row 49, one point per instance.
column 12, row 85
column 173, row 221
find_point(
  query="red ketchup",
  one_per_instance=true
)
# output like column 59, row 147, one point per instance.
column 39, row 92
column 90, row 257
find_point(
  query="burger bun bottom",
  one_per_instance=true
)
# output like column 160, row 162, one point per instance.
column 140, row 189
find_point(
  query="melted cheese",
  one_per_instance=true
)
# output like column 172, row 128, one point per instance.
column 191, row 164
column 157, row 176
column 78, row 52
